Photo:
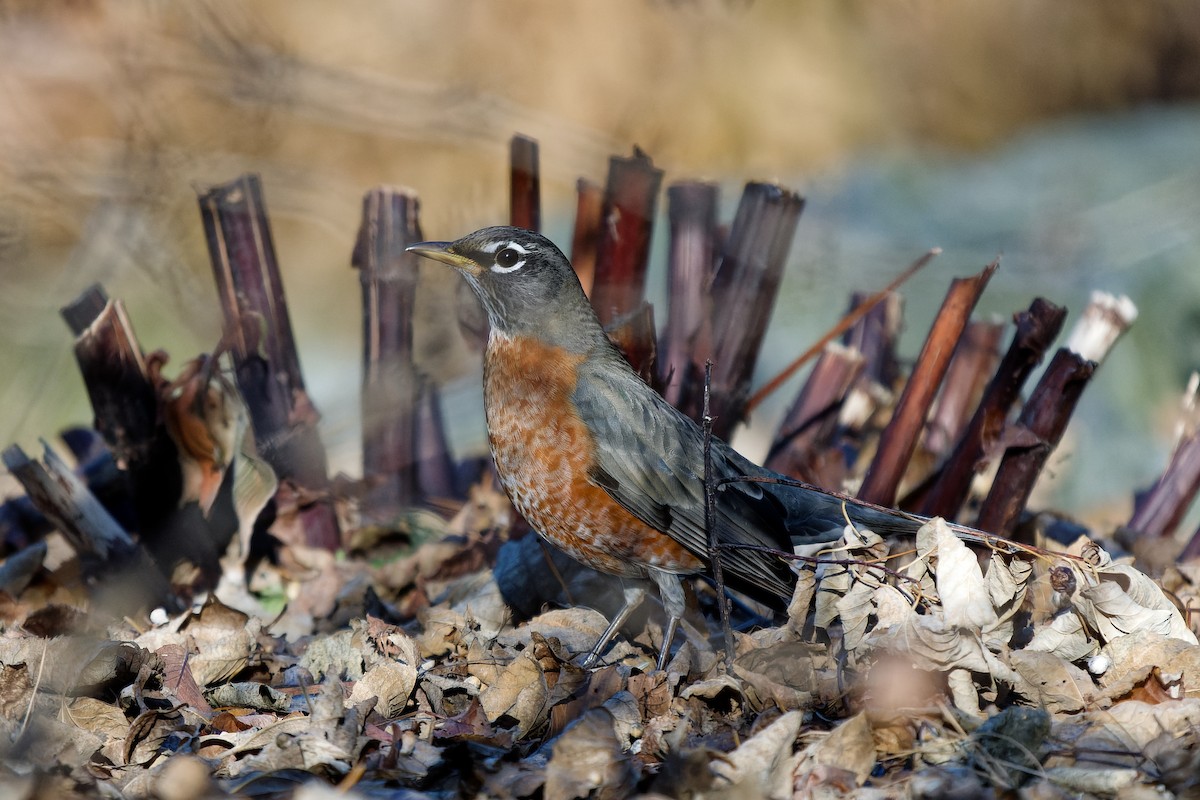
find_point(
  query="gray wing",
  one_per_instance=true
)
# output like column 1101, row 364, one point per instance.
column 650, row 459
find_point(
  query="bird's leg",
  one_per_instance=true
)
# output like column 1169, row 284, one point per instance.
column 674, row 602
column 633, row 598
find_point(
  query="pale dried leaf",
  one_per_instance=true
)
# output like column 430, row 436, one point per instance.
column 934, row 646
column 1051, row 682
column 891, row 607
column 966, row 603
column 1091, row 780
column 577, row 629
column 247, row 694
column 96, row 716
column 220, row 653
column 855, row 608
column 1129, row 726
column 1126, row 600
column 626, row 716
column 1135, row 656
column 849, row 746
column 762, row 766
column 1065, row 637
column 833, row 581
column 392, row 682
column 712, row 687
column 963, row 691
column 802, row 598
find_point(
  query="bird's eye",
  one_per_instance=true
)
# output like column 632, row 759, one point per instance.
column 509, row 259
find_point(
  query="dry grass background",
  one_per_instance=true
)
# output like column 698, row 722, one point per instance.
column 111, row 113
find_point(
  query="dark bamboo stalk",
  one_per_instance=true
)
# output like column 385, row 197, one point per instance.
column 586, row 239
column 623, row 250
column 686, row 341
column 436, row 472
column 1038, row 430
column 743, row 294
column 264, row 351
column 1036, row 329
column 525, row 189
column 876, row 334
column 391, row 386
column 124, row 400
column 808, row 426
column 899, row 438
column 148, row 491
column 65, row 500
column 1159, row 510
column 127, row 579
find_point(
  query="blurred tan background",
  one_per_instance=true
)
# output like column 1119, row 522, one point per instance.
column 113, row 113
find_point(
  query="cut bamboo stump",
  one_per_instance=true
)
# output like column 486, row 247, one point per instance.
column 899, row 439
column 1159, row 510
column 586, row 238
column 525, row 188
column 391, row 387
column 266, row 364
column 126, row 579
column 745, row 286
column 974, row 360
column 1036, row 329
column 687, row 338
column 623, row 247
column 124, row 400
column 1038, row 431
column 802, row 447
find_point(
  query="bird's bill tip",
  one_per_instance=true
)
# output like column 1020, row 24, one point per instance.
column 440, row 251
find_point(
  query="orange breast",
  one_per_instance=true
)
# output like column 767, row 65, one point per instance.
column 543, row 453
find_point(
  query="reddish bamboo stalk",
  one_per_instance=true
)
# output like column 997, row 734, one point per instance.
column 1036, row 329
column 586, row 239
column 880, row 318
column 623, row 250
column 807, row 428
column 525, row 190
column 686, row 341
column 1039, row 429
column 899, row 438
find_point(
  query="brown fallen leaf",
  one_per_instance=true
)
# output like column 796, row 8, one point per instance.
column 519, row 694
column 589, row 761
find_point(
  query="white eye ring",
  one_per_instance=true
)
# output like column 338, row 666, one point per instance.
column 500, row 248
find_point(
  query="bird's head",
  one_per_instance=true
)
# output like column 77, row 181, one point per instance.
column 524, row 282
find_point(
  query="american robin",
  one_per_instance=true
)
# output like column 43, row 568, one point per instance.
column 604, row 468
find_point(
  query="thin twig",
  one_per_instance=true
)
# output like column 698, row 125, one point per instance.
column 853, row 316
column 710, row 527
column 33, row 694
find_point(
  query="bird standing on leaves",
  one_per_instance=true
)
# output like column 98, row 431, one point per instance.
column 599, row 464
